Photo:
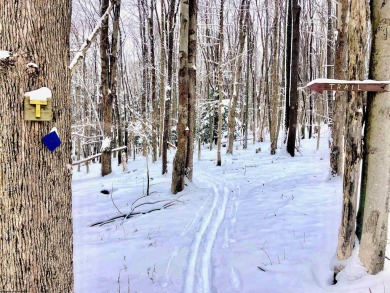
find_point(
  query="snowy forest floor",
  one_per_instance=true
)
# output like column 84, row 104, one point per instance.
column 259, row 223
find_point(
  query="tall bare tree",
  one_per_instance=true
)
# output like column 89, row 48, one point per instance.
column 274, row 102
column 220, row 83
column 179, row 162
column 35, row 184
column 339, row 106
column 104, row 84
column 168, row 96
column 293, row 111
column 192, row 41
column 244, row 9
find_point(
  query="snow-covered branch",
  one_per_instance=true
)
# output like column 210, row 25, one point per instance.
column 89, row 41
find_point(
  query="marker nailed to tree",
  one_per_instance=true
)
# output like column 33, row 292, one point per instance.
column 320, row 85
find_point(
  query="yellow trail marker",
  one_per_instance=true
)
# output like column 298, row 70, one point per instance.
column 38, row 107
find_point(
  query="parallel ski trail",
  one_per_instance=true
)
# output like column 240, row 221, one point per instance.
column 198, row 277
column 206, row 260
column 190, row 279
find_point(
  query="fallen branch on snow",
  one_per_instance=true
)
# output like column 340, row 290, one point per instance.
column 134, row 212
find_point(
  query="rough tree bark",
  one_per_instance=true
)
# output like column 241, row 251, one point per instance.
column 35, row 184
column 353, row 131
column 179, row 162
column 376, row 171
column 294, row 96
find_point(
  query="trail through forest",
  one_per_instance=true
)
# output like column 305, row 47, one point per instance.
column 259, row 223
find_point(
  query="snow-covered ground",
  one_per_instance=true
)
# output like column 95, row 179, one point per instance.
column 259, row 223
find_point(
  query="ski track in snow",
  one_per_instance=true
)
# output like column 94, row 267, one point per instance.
column 198, row 277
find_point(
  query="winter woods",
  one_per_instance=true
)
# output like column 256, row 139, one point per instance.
column 166, row 79
column 220, row 73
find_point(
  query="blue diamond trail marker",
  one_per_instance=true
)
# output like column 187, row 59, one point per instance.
column 51, row 140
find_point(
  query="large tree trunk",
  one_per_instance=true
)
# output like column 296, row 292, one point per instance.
column 193, row 18
column 294, row 96
column 339, row 105
column 104, row 83
column 376, row 172
column 35, row 184
column 179, row 162
column 353, row 132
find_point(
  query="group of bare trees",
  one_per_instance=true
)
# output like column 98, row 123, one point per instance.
column 160, row 76
column 242, row 50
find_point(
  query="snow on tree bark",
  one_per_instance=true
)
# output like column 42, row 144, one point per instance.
column 179, row 162
column 35, row 185
column 104, row 84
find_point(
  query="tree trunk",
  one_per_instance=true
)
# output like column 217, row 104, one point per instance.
column 294, row 96
column 220, row 84
column 274, row 103
column 113, row 73
column 162, row 77
column 153, row 89
column 330, row 62
column 167, row 116
column 193, row 19
column 249, row 47
column 35, row 184
column 339, row 106
column 244, row 8
column 288, row 65
column 179, row 162
column 376, row 172
column 353, row 132
column 104, row 83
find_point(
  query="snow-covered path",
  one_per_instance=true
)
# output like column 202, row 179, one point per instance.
column 259, row 223
column 199, row 274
